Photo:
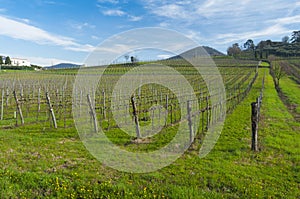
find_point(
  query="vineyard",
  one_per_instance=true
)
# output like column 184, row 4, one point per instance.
column 46, row 97
column 44, row 156
column 294, row 69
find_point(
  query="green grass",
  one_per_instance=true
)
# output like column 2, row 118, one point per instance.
column 264, row 64
column 39, row 162
column 292, row 91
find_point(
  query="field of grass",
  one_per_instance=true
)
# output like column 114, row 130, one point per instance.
column 291, row 91
column 41, row 162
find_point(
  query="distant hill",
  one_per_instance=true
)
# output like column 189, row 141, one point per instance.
column 198, row 51
column 63, row 66
column 212, row 51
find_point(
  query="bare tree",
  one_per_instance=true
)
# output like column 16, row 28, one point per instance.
column 234, row 50
column 126, row 57
column 278, row 68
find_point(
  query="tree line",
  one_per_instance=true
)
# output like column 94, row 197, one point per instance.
column 7, row 60
column 286, row 47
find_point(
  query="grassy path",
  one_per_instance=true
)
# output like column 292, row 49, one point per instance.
column 274, row 171
column 291, row 92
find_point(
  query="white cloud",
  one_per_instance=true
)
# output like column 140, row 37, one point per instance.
column 217, row 8
column 121, row 13
column 114, row 12
column 164, row 25
column 25, row 20
column 220, row 23
column 95, row 37
column 18, row 30
column 194, row 35
column 81, row 48
column 23, row 31
column 172, row 11
column 81, row 26
column 287, row 20
column 50, row 2
column 108, row 1
column 47, row 3
column 135, row 18
column 163, row 56
column 193, row 11
column 115, row 49
column 124, row 26
column 275, row 30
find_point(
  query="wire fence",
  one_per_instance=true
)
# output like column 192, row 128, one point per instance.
column 255, row 117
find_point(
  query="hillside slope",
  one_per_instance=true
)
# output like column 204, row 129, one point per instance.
column 198, row 51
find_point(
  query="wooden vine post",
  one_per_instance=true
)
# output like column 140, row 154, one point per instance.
column 51, row 110
column 19, row 110
column 39, row 104
column 104, row 105
column 2, row 104
column 207, row 113
column 254, row 120
column 190, row 123
column 167, row 112
column 92, row 113
column 136, row 119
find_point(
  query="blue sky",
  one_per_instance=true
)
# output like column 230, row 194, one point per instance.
column 52, row 31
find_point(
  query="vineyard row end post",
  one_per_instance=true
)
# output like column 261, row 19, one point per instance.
column 2, row 104
column 19, row 110
column 136, row 119
column 254, row 120
column 93, row 113
column 51, row 110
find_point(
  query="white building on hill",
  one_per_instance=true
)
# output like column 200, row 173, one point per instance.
column 19, row 62
column 16, row 61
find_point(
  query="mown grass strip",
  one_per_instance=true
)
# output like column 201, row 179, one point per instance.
column 291, row 91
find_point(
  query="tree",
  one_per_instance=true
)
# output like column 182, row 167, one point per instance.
column 1, row 60
column 249, row 45
column 279, row 72
column 269, row 42
column 277, row 69
column 285, row 39
column 7, row 61
column 126, row 57
column 296, row 37
column 133, row 59
column 234, row 50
